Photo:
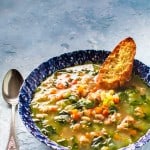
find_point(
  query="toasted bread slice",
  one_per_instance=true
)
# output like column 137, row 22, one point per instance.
column 117, row 68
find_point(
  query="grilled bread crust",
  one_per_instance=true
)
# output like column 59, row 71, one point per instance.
column 117, row 68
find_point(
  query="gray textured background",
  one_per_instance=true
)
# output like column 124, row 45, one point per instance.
column 32, row 31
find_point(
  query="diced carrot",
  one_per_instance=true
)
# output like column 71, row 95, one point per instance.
column 116, row 100
column 88, row 135
column 60, row 86
column 98, row 110
column 53, row 91
column 82, row 91
column 133, row 132
column 105, row 112
column 59, row 97
column 75, row 114
column 117, row 136
column 74, row 81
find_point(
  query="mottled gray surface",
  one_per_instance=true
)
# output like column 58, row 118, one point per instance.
column 32, row 31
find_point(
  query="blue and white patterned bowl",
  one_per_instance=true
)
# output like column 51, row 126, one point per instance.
column 56, row 63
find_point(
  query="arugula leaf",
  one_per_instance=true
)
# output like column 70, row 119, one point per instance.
column 74, row 143
column 85, row 103
column 100, row 141
column 123, row 96
column 49, row 130
column 112, row 109
column 63, row 117
column 73, row 98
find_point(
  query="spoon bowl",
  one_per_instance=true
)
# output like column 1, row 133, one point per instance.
column 10, row 90
column 11, row 85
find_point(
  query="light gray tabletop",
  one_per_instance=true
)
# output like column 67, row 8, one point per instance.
column 32, row 31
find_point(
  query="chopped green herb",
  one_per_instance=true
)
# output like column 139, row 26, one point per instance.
column 84, row 103
column 63, row 117
column 99, row 142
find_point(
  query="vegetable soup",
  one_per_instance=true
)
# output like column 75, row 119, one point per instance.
column 70, row 109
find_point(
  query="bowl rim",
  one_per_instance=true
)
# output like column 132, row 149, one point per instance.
column 53, row 64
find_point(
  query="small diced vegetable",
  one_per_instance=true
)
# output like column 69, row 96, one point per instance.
column 99, row 142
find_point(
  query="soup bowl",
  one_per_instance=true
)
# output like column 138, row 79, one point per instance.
column 47, row 68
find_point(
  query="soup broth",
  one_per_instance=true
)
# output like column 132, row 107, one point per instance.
column 71, row 110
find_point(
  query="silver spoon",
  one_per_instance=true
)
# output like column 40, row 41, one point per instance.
column 10, row 90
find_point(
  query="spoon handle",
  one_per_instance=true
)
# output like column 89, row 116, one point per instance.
column 12, row 144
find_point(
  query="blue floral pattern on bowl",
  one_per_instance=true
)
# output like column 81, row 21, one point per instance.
column 56, row 63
